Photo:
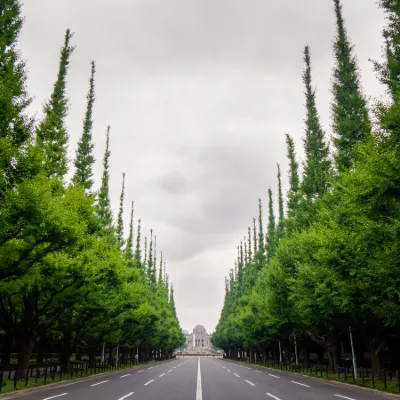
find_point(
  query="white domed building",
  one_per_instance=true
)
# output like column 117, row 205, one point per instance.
column 199, row 339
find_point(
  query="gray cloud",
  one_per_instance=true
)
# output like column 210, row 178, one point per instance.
column 199, row 94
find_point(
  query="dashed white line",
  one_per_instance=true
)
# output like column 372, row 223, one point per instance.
column 147, row 383
column 142, row 370
column 248, row 368
column 224, row 367
column 259, row 372
column 274, row 376
column 170, row 370
column 162, row 375
column 124, row 376
column 98, row 383
column 343, row 397
column 236, row 375
column 150, row 368
column 301, row 384
column 53, row 397
column 127, row 395
column 228, row 370
column 251, row 383
column 274, row 397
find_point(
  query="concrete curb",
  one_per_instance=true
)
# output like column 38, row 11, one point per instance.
column 43, row 388
column 385, row 395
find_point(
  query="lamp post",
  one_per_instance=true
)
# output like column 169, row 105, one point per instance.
column 353, row 353
column 295, row 350
column 280, row 353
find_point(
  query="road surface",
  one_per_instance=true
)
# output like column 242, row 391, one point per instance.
column 201, row 379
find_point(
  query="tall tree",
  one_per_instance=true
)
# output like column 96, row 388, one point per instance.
column 129, row 242
column 351, row 123
column 390, row 69
column 150, row 258
column 84, row 158
column 120, row 220
column 138, row 252
column 249, row 245
column 255, row 236
column 52, row 135
column 294, row 181
column 103, row 204
column 160, row 272
column 317, row 164
column 172, row 301
column 280, row 206
column 271, row 231
column 15, row 126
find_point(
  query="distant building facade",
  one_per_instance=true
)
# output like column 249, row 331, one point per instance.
column 199, row 339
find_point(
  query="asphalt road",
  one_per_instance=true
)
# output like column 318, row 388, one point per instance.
column 201, row 379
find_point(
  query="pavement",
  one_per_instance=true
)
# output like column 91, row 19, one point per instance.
column 202, row 379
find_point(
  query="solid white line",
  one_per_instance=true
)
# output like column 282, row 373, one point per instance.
column 162, row 375
column 274, row 376
column 127, row 395
column 274, row 397
column 228, row 370
column 53, row 397
column 199, row 392
column 170, row 370
column 236, row 375
column 99, row 383
column 148, row 382
column 124, row 376
column 343, row 397
column 298, row 383
column 252, row 384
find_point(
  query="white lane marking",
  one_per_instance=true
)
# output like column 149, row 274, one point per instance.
column 150, row 368
column 248, row 368
column 252, row 384
column 236, row 375
column 298, row 383
column 343, row 397
column 124, row 376
column 223, row 367
column 259, row 372
column 162, row 375
column 127, row 395
column 98, row 383
column 274, row 397
column 274, row 376
column 140, row 371
column 174, row 367
column 228, row 370
column 170, row 370
column 199, row 392
column 147, row 383
column 53, row 397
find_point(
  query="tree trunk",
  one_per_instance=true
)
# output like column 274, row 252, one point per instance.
column 65, row 351
column 375, row 346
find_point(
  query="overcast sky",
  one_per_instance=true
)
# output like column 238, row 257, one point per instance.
column 199, row 95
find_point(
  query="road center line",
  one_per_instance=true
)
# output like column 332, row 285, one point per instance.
column 343, row 397
column 199, row 392
column 274, row 397
column 236, row 375
column 99, row 383
column 252, row 384
column 301, row 384
column 53, row 397
column 274, row 376
column 147, row 383
column 162, row 375
column 127, row 395
column 124, row 376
